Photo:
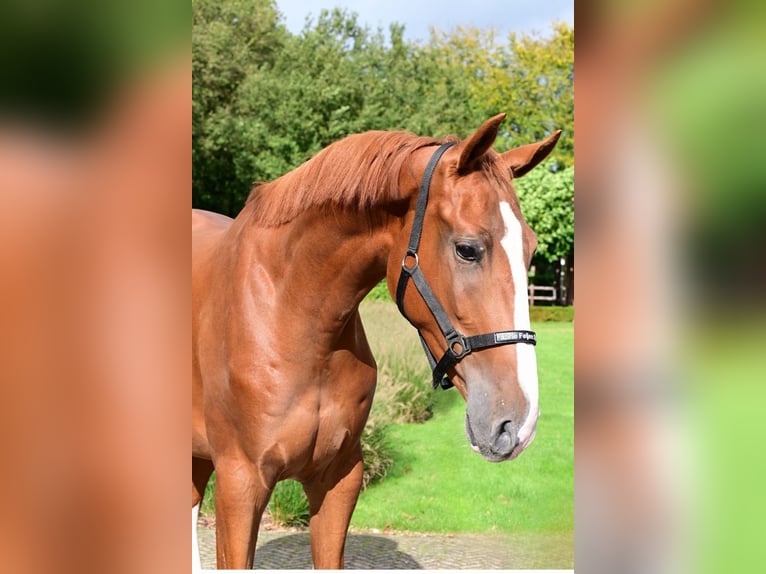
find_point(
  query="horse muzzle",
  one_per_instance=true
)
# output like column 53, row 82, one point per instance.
column 502, row 440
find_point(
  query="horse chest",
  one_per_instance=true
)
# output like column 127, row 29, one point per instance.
column 322, row 434
column 338, row 421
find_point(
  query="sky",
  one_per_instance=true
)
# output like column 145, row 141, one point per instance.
column 419, row 15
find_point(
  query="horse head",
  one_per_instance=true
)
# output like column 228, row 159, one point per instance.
column 472, row 253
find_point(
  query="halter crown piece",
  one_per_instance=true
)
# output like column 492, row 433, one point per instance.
column 458, row 345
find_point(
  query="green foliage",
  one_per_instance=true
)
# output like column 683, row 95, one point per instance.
column 265, row 100
column 547, row 202
column 231, row 41
column 546, row 314
column 207, row 508
column 404, row 394
column 376, row 451
column 529, row 77
column 288, row 505
column 379, row 292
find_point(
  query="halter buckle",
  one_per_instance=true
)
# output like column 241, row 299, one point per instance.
column 458, row 346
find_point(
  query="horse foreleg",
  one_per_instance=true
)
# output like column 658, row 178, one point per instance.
column 331, row 504
column 240, row 499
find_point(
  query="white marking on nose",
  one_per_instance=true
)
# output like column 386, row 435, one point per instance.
column 526, row 360
column 196, row 562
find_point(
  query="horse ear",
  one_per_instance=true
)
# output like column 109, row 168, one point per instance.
column 479, row 143
column 522, row 159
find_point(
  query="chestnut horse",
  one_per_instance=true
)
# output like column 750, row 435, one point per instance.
column 283, row 377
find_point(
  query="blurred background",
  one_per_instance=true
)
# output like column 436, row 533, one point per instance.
column 95, row 173
column 669, row 227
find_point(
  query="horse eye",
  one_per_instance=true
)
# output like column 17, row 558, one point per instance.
column 467, row 252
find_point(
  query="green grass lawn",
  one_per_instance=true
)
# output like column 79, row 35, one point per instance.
column 438, row 484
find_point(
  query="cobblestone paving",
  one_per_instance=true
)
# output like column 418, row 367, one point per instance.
column 291, row 550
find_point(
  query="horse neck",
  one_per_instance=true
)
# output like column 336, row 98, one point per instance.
column 320, row 265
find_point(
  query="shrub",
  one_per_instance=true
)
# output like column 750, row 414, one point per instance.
column 208, row 499
column 404, row 394
column 376, row 452
column 379, row 292
column 542, row 314
column 547, row 202
column 288, row 505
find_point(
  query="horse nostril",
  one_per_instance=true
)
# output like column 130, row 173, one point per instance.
column 505, row 439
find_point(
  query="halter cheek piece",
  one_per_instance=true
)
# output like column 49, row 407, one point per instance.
column 458, row 345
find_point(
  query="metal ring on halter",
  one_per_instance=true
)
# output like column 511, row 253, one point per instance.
column 404, row 262
column 458, row 345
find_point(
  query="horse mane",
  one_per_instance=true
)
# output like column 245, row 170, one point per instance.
column 357, row 172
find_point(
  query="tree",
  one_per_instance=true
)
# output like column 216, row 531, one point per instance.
column 265, row 100
column 529, row 77
column 547, row 202
column 261, row 111
column 231, row 40
column 311, row 96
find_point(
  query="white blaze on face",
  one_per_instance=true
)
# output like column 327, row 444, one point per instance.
column 526, row 360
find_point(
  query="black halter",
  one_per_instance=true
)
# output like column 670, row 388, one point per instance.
column 458, row 345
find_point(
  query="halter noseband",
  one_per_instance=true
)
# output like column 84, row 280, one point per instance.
column 458, row 345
